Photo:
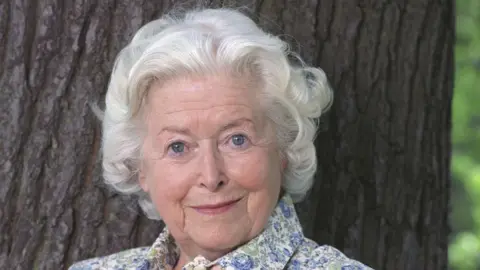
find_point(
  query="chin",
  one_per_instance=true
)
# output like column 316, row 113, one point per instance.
column 224, row 242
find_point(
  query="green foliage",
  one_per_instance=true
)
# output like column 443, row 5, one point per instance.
column 464, row 250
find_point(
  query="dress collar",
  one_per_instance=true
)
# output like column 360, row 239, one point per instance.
column 272, row 249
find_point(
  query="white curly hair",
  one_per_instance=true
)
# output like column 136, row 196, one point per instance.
column 201, row 42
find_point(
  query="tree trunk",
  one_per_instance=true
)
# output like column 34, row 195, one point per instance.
column 384, row 151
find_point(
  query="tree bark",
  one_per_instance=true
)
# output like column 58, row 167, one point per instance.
column 383, row 184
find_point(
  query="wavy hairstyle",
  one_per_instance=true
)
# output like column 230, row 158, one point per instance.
column 202, row 42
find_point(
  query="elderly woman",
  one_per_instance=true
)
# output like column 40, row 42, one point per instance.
column 211, row 125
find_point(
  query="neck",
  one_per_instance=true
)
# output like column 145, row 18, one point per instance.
column 186, row 257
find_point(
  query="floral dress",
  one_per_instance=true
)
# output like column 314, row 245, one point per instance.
column 281, row 245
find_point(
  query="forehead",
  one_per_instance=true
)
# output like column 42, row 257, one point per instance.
column 199, row 94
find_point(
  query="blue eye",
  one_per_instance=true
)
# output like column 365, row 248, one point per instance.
column 177, row 147
column 238, row 140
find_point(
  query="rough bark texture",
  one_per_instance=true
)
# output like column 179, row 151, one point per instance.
column 383, row 185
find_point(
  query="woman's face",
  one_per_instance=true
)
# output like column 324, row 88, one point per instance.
column 210, row 162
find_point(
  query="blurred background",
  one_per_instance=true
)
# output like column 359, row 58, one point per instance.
column 464, row 252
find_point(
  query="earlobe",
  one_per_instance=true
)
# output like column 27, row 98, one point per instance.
column 142, row 180
column 284, row 164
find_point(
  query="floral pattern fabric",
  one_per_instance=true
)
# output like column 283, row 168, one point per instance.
column 281, row 245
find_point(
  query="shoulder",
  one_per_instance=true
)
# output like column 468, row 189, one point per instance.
column 128, row 259
column 312, row 256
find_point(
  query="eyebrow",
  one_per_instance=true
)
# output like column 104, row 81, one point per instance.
column 175, row 129
column 237, row 123
column 186, row 131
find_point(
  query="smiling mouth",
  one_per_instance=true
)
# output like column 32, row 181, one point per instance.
column 215, row 209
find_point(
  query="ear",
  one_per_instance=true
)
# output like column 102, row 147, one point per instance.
column 142, row 180
column 284, row 163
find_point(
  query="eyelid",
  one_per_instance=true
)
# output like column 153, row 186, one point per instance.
column 175, row 139
column 168, row 147
column 246, row 144
column 229, row 136
column 241, row 130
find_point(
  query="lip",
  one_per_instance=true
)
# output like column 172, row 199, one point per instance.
column 215, row 209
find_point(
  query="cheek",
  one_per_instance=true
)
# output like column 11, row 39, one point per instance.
column 254, row 171
column 167, row 184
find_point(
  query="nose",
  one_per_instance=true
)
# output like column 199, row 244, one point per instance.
column 211, row 176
